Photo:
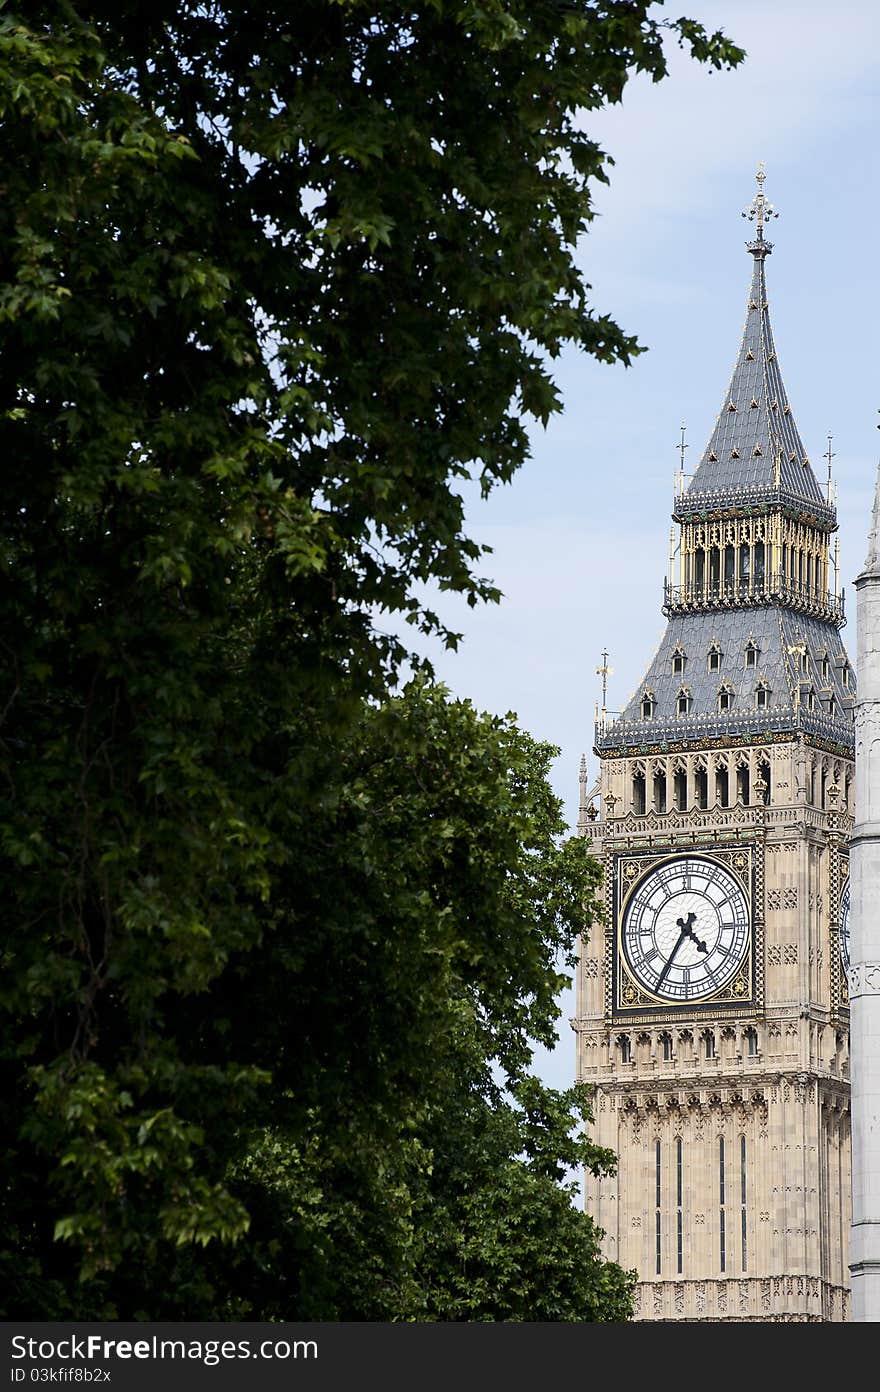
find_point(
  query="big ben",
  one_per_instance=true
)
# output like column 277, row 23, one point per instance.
column 712, row 1010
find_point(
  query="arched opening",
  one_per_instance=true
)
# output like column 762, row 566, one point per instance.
column 699, row 571
column 742, row 784
column 681, row 791
column 722, row 787
column 714, row 569
column 701, row 788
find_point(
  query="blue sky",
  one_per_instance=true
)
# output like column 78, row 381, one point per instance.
column 581, row 536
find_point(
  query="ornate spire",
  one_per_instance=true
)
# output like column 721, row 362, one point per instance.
column 751, row 646
column 582, row 805
column 755, row 448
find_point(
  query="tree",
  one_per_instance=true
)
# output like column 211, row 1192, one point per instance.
column 273, row 280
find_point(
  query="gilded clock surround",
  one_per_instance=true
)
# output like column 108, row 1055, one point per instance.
column 631, row 995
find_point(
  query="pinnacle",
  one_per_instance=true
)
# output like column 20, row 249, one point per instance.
column 872, row 560
column 754, row 448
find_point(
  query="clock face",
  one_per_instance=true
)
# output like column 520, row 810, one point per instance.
column 844, row 927
column 685, row 929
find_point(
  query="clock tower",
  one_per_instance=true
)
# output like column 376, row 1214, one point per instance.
column 712, row 1008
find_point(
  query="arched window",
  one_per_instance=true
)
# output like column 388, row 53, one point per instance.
column 680, row 789
column 649, row 704
column 762, row 696
column 742, row 784
column 699, row 570
column 639, row 795
column 743, row 1209
column 714, row 569
column 725, row 698
column 658, row 1211
column 701, row 787
column 678, row 1203
column 715, row 656
column 751, row 653
column 759, row 563
column 722, row 785
column 722, row 1199
column 679, row 658
column 683, row 701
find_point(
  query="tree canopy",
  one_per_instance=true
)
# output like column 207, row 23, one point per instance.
column 274, row 280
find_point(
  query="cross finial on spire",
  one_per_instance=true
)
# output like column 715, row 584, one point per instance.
column 760, row 211
column 829, row 455
column 604, row 672
column 682, row 446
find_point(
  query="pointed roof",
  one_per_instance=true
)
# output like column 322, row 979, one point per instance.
column 748, row 664
column 793, row 654
column 755, row 449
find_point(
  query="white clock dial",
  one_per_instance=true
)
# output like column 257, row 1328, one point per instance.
column 685, row 929
column 844, row 927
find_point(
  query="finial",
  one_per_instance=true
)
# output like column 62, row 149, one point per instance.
column 582, row 803
column 760, row 211
column 681, row 447
column 604, row 672
column 872, row 560
column 829, row 455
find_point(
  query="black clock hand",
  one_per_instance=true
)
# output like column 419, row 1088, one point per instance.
column 671, row 958
column 689, row 932
column 686, row 932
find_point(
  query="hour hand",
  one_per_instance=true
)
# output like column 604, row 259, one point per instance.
column 686, row 926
